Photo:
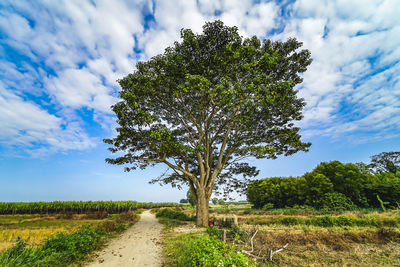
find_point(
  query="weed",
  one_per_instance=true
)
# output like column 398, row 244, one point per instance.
column 200, row 250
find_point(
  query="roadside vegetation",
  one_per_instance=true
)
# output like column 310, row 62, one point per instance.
column 59, row 240
column 63, row 233
column 361, row 237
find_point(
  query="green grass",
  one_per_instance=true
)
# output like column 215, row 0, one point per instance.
column 173, row 214
column 75, row 237
column 330, row 220
column 198, row 249
column 60, row 250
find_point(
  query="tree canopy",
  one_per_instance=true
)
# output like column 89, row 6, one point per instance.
column 206, row 104
column 385, row 162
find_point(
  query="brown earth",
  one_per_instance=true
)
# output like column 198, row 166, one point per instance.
column 139, row 245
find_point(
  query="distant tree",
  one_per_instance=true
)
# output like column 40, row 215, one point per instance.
column 293, row 191
column 387, row 191
column 215, row 201
column 346, row 179
column 261, row 192
column 191, row 198
column 385, row 162
column 208, row 103
column 364, row 168
column 184, row 200
column 317, row 185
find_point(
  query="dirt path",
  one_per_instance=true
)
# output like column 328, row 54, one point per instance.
column 137, row 246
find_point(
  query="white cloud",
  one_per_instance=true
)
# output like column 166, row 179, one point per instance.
column 80, row 88
column 25, row 124
column 351, row 44
column 73, row 53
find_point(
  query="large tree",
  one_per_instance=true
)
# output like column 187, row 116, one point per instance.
column 208, row 103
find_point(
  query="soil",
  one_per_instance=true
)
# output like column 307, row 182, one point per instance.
column 139, row 245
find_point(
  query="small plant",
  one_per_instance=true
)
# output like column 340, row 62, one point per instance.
column 268, row 206
column 173, row 214
column 127, row 217
column 382, row 203
column 209, row 251
column 60, row 250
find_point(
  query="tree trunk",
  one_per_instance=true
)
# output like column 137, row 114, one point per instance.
column 202, row 208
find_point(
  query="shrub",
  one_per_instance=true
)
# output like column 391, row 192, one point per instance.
column 335, row 201
column 97, row 215
column 61, row 250
column 234, row 234
column 208, row 251
column 109, row 226
column 127, row 217
column 173, row 214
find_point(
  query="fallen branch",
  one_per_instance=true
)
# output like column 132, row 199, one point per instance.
column 272, row 253
column 252, row 246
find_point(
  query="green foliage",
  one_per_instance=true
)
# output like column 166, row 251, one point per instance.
column 61, row 250
column 268, row 206
column 208, row 100
column 173, row 214
column 331, row 185
column 332, row 220
column 389, row 191
column 346, row 179
column 317, row 185
column 234, row 234
column 184, row 200
column 191, row 198
column 209, row 251
column 336, row 202
column 385, row 162
column 381, row 203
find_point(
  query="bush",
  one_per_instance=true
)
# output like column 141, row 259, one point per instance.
column 127, row 217
column 173, row 214
column 335, row 201
column 61, row 250
column 208, row 251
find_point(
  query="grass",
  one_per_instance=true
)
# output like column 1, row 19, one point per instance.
column 35, row 228
column 316, row 238
column 57, row 240
column 59, row 250
column 388, row 219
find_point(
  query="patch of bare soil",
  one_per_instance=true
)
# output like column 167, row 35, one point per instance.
column 139, row 245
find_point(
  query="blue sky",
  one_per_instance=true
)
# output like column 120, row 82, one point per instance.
column 59, row 62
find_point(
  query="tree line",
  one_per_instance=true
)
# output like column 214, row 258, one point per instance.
column 334, row 185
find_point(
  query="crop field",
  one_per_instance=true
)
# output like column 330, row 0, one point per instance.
column 363, row 237
column 313, row 238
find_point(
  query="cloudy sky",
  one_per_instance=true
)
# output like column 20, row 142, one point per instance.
column 59, row 62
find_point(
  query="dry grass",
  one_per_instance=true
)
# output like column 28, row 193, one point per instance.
column 329, row 247
column 34, row 236
column 309, row 245
column 38, row 227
